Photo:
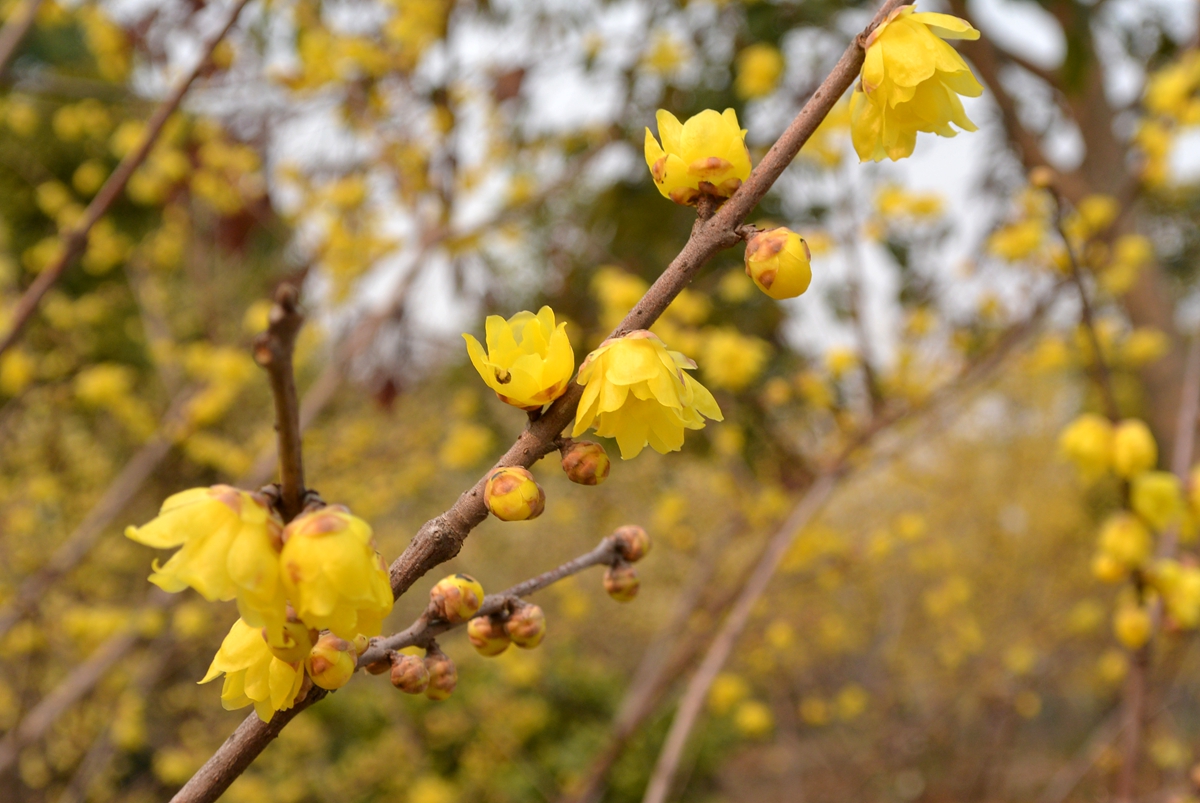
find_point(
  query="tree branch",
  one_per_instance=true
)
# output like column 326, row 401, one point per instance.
column 15, row 31
column 72, row 243
column 274, row 350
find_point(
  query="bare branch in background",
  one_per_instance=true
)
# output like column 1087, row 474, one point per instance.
column 73, row 242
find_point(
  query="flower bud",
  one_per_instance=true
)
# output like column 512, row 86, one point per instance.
column 585, row 463
column 778, row 260
column 1134, row 449
column 331, row 662
column 298, row 639
column 487, row 636
column 361, row 644
column 632, row 542
column 511, row 494
column 456, row 598
column 526, row 626
column 409, row 674
column 443, row 676
column 1131, row 623
column 621, row 582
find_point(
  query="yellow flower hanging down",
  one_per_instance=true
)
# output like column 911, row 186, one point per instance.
column 705, row 154
column 639, row 393
column 910, row 82
column 334, row 577
column 230, row 543
column 529, row 360
column 253, row 675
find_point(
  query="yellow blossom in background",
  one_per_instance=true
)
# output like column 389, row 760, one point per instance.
column 706, row 154
column 334, row 577
column 910, row 82
column 1157, row 497
column 1087, row 442
column 529, row 359
column 1134, row 449
column 466, row 444
column 253, row 676
column 666, row 54
column 732, row 360
column 827, row 144
column 638, row 392
column 759, row 68
column 1017, row 241
column 1125, row 541
column 229, row 543
column 753, row 719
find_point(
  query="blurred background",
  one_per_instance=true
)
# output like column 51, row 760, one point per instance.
column 936, row 634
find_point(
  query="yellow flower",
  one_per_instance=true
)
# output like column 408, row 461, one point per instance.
column 333, row 575
column 759, row 68
column 732, row 360
column 529, row 360
column 706, row 154
column 1157, row 496
column 1088, row 443
column 253, row 675
column 638, row 392
column 1134, row 449
column 230, row 548
column 910, row 82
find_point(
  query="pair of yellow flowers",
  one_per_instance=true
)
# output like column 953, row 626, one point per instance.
column 320, row 572
column 911, row 81
column 635, row 389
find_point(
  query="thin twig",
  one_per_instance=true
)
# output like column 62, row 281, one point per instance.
column 240, row 749
column 73, row 242
column 274, row 350
column 15, row 31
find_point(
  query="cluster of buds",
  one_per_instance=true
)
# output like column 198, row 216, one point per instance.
column 435, row 675
column 520, row 623
column 620, row 579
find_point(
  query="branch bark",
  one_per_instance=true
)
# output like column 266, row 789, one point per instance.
column 274, row 350
column 15, row 31
column 72, row 243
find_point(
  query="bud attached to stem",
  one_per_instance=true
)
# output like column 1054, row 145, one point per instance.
column 443, row 675
column 331, row 662
column 621, row 581
column 632, row 542
column 585, row 462
column 511, row 494
column 487, row 636
column 526, row 626
column 409, row 673
column 456, row 598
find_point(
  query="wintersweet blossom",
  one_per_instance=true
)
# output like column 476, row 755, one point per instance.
column 529, row 360
column 706, row 154
column 638, row 392
column 253, row 675
column 230, row 543
column 334, row 577
column 910, row 82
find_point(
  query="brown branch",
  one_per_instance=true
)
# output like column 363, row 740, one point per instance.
column 253, row 735
column 274, row 350
column 72, row 243
column 15, row 31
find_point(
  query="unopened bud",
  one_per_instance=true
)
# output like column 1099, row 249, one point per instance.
column 511, row 494
column 585, row 463
column 443, row 676
column 778, row 260
column 298, row 639
column 487, row 636
column 621, row 582
column 331, row 662
column 361, row 644
column 632, row 542
column 409, row 674
column 456, row 598
column 526, row 626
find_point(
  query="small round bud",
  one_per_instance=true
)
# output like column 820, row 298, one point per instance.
column 1132, row 625
column 526, row 626
column 331, row 662
column 487, row 636
column 409, row 674
column 778, row 260
column 361, row 644
column 456, row 598
column 585, row 463
column 297, row 641
column 443, row 675
column 621, row 582
column 632, row 542
column 511, row 494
